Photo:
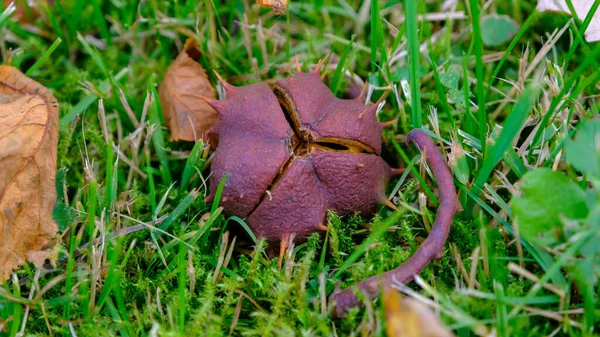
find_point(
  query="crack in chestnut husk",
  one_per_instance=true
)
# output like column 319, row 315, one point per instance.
column 303, row 141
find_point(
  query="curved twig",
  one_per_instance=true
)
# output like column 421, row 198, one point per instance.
column 433, row 245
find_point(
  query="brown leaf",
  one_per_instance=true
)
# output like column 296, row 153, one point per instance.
column 279, row 6
column 28, row 139
column 406, row 317
column 40, row 257
column 187, row 115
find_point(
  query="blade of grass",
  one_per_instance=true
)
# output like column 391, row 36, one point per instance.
column 511, row 46
column 218, row 194
column 245, row 226
column 162, row 202
column 93, row 52
column 158, row 139
column 114, row 271
column 478, row 47
column 52, row 17
column 179, row 210
column 501, row 312
column 586, row 22
column 441, row 91
column 100, row 21
column 413, row 48
column 44, row 57
column 151, row 187
column 68, row 272
column 414, row 170
column 374, row 35
column 578, row 242
column 567, row 88
column 339, row 70
column 542, row 257
column 181, row 285
column 469, row 122
column 375, row 235
column 288, row 38
column 17, row 314
column 511, row 127
column 193, row 161
column 116, row 316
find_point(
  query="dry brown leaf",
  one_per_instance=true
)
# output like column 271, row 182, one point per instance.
column 582, row 8
column 28, row 142
column 39, row 258
column 187, row 115
column 279, row 6
column 407, row 317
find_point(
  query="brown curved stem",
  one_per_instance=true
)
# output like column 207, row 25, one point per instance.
column 433, row 245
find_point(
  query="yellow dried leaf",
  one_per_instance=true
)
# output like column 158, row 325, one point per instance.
column 279, row 6
column 582, row 8
column 28, row 143
column 406, row 317
column 186, row 114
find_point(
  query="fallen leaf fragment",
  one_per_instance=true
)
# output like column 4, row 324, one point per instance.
column 28, row 143
column 407, row 317
column 40, row 258
column 279, row 6
column 186, row 114
column 582, row 8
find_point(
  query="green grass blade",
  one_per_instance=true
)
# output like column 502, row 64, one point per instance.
column 179, row 210
column 98, row 60
column 542, row 257
column 44, row 57
column 100, row 21
column 511, row 46
column 511, row 128
column 414, row 54
column 478, row 46
column 193, row 161
column 158, row 138
column 245, row 226
column 374, row 35
column 568, row 254
column 336, row 80
column 441, row 92
column 558, row 99
column 375, row 235
column 218, row 194
column 501, row 311
column 413, row 169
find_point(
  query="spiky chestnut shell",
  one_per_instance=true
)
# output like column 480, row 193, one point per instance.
column 294, row 151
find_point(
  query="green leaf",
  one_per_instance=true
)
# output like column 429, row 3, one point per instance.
column 583, row 152
column 457, row 97
column 547, row 198
column 62, row 214
column 497, row 29
column 449, row 78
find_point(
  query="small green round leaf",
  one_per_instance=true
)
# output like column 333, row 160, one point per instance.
column 497, row 29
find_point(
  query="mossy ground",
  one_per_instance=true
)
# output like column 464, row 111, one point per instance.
column 209, row 278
